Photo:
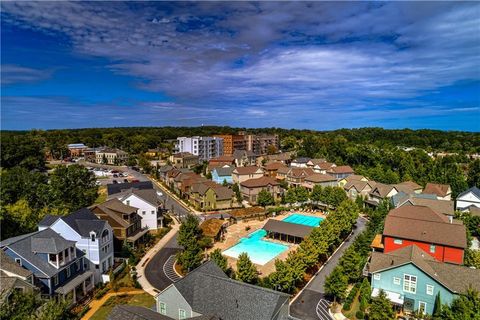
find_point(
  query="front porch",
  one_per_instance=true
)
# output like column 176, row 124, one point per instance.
column 77, row 288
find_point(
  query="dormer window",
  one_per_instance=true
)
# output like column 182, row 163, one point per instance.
column 52, row 258
column 92, row 236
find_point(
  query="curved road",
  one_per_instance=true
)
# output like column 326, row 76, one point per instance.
column 312, row 303
column 155, row 272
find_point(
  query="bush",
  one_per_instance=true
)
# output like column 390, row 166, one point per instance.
column 101, row 293
column 83, row 312
column 359, row 314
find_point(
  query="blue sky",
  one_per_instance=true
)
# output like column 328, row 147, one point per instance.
column 313, row 65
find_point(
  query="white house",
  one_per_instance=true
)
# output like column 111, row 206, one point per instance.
column 148, row 203
column 470, row 197
column 92, row 236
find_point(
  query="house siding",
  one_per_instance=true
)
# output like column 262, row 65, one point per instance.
column 174, row 301
column 386, row 283
column 467, row 200
column 149, row 220
column 442, row 253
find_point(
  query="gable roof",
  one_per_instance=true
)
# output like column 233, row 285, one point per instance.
column 247, row 170
column 440, row 190
column 212, row 227
column 340, row 170
column 224, row 170
column 319, row 177
column 353, row 177
column 316, row 161
column 300, row 172
column 273, row 166
column 382, row 190
column 325, row 165
column 208, row 290
column 127, row 312
column 441, row 206
column 259, row 182
column 454, row 277
column 301, row 160
column 83, row 221
column 474, row 190
column 119, row 187
column 422, row 224
column 291, row 229
column 223, row 193
column 410, row 184
column 44, row 241
column 115, row 208
column 359, row 185
column 7, row 264
column 147, row 195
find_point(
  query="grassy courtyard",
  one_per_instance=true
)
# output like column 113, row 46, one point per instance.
column 144, row 300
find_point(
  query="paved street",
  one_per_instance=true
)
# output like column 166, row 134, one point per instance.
column 312, row 303
column 157, row 273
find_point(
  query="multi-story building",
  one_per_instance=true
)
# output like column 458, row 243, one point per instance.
column 436, row 234
column 183, row 160
column 262, row 144
column 205, row 148
column 94, row 237
column 124, row 220
column 76, row 149
column 111, row 156
column 231, row 142
column 58, row 267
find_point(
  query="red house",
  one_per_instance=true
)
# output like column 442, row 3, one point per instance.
column 440, row 236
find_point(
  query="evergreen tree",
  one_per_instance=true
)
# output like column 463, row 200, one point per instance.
column 217, row 257
column 437, row 307
column 291, row 196
column 473, row 177
column 336, row 284
column 381, row 308
column 246, row 270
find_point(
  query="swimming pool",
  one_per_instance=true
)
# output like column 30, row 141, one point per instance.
column 259, row 251
column 303, row 219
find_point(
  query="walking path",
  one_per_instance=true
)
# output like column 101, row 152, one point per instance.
column 96, row 304
column 146, row 285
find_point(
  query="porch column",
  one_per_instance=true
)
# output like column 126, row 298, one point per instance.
column 84, row 290
column 74, row 295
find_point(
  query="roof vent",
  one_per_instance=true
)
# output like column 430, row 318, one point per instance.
column 424, row 232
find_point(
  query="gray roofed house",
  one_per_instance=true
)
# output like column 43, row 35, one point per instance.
column 468, row 198
column 128, row 312
column 83, row 221
column 119, row 187
column 208, row 291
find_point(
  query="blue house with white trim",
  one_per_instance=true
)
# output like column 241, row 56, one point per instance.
column 58, row 267
column 221, row 174
column 412, row 279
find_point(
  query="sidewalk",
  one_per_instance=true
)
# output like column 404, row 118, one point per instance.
column 174, row 196
column 140, row 268
column 96, row 304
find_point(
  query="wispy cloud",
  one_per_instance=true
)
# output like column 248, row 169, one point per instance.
column 19, row 74
column 275, row 57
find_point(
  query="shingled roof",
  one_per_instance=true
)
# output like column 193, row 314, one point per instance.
column 119, row 187
column 246, row 170
column 340, row 169
column 83, row 221
column 454, row 277
column 441, row 206
column 422, row 224
column 259, row 182
column 440, row 190
column 287, row 228
column 208, row 290
column 319, row 177
column 7, row 264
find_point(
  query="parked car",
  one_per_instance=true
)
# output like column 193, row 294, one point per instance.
column 125, row 180
column 135, row 180
column 115, row 175
column 114, row 181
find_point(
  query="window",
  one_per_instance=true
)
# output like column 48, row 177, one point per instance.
column 376, row 276
column 52, row 258
column 69, row 272
column 430, row 289
column 162, row 308
column 409, row 283
column 398, row 241
column 55, row 280
column 396, row 280
column 143, row 212
column 104, row 266
column 78, row 265
column 128, row 202
column 422, row 306
column 66, row 253
column 182, row 314
column 153, row 211
column 432, row 248
column 92, row 237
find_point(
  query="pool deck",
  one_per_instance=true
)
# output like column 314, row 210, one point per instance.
column 237, row 231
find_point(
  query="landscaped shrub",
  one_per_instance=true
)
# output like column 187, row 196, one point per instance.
column 359, row 314
column 101, row 293
column 83, row 312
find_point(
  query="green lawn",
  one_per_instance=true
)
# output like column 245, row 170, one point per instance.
column 102, row 195
column 144, row 300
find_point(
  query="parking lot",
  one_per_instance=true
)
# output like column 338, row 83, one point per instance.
column 108, row 176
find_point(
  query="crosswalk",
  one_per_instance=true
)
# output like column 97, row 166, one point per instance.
column 168, row 269
column 322, row 310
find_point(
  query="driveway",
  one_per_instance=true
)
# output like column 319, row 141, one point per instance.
column 312, row 303
column 158, row 271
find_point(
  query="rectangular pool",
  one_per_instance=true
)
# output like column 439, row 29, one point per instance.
column 258, row 250
column 303, row 219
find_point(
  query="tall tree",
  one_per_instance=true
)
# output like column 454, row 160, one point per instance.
column 381, row 308
column 473, row 177
column 246, row 270
column 217, row 257
column 336, row 284
column 437, row 307
column 265, row 198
